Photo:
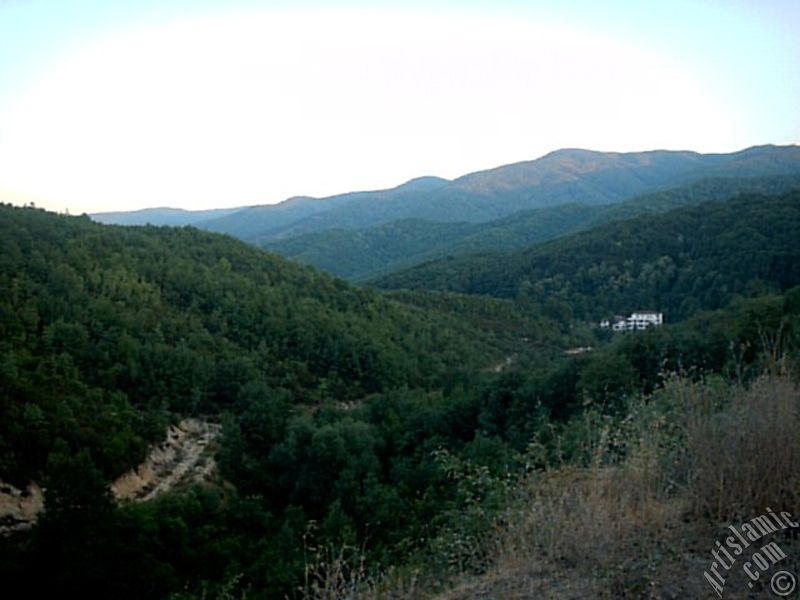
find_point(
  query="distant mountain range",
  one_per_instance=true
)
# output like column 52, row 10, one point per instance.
column 175, row 217
column 368, row 253
column 364, row 234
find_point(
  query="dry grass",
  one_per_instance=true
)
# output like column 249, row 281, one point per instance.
column 583, row 533
column 643, row 526
column 747, row 457
column 641, row 519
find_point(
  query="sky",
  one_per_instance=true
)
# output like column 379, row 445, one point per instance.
column 108, row 105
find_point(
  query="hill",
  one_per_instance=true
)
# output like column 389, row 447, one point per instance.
column 367, row 253
column 116, row 325
column 296, row 215
column 561, row 177
column 366, row 439
column 688, row 259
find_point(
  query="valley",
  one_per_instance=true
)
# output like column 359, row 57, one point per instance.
column 196, row 407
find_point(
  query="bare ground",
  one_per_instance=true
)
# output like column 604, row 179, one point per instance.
column 185, row 456
column 18, row 508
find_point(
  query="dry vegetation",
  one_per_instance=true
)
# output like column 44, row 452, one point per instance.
column 643, row 525
column 640, row 519
column 747, row 457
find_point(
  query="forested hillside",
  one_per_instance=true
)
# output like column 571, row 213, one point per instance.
column 360, row 254
column 689, row 259
column 363, row 235
column 371, row 442
column 110, row 324
column 350, row 210
column 392, row 301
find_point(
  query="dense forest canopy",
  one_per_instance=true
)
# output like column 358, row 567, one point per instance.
column 366, row 253
column 116, row 320
column 689, row 259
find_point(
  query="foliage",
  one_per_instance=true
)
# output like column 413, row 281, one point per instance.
column 684, row 261
column 367, row 253
column 364, row 433
column 561, row 177
column 105, row 331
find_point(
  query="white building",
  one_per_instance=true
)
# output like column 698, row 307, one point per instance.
column 640, row 321
column 637, row 321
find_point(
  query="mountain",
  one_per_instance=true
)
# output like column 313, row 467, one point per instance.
column 367, row 253
column 300, row 214
column 590, row 177
column 362, row 235
column 174, row 217
column 565, row 176
column 700, row 257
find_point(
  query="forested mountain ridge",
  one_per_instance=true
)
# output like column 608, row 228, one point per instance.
column 297, row 214
column 693, row 258
column 561, row 177
column 368, row 253
column 175, row 217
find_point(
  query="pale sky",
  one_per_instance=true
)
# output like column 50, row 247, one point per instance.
column 201, row 104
